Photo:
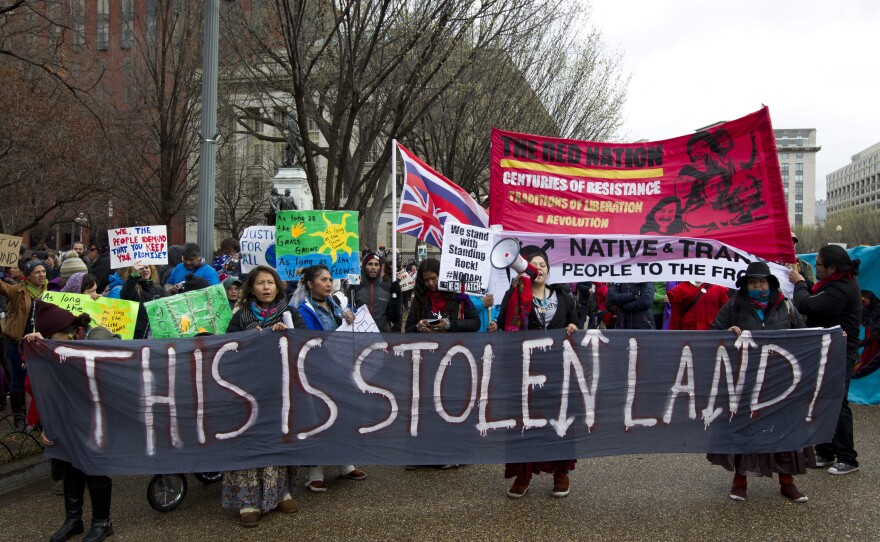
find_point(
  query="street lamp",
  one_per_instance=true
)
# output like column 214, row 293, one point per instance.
column 82, row 220
column 839, row 230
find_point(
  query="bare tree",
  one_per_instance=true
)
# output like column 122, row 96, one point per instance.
column 361, row 73
column 155, row 131
column 856, row 228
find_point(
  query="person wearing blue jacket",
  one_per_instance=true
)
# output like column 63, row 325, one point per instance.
column 194, row 264
column 314, row 300
column 633, row 302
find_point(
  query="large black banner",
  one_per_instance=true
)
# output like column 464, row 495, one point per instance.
column 300, row 397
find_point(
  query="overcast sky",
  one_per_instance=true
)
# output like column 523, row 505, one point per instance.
column 696, row 62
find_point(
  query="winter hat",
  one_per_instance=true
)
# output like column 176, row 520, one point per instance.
column 51, row 319
column 72, row 265
column 74, row 283
column 371, row 256
column 758, row 270
column 195, row 283
column 231, row 281
column 31, row 265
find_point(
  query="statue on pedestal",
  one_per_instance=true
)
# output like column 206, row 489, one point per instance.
column 287, row 202
column 294, row 149
column 275, row 205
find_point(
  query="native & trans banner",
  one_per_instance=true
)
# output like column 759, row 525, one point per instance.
column 302, row 397
column 719, row 183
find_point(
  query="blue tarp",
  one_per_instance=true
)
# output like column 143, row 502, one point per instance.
column 866, row 390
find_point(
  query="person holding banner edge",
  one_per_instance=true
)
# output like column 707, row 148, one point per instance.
column 760, row 305
column 433, row 311
column 314, row 298
column 534, row 304
column 58, row 324
column 253, row 492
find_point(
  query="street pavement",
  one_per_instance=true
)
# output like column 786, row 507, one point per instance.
column 641, row 498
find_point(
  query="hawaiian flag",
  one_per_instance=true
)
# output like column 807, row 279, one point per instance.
column 429, row 199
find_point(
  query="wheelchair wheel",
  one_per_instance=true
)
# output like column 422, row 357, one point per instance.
column 166, row 491
column 208, row 477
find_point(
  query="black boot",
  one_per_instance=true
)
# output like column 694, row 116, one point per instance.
column 19, row 409
column 73, row 504
column 100, row 530
column 100, row 491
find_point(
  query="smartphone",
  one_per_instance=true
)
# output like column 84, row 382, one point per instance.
column 434, row 322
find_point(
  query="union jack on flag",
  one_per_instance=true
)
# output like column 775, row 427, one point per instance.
column 429, row 199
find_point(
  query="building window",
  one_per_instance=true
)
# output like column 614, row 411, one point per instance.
column 798, row 155
column 799, row 167
column 102, row 25
column 314, row 133
column 152, row 17
column 784, row 155
column 799, row 178
column 127, row 24
column 78, row 21
column 784, row 168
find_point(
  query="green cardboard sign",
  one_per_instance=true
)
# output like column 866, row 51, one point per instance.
column 190, row 313
column 117, row 315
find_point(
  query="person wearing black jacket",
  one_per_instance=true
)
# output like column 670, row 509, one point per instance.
column 381, row 298
column 140, row 285
column 434, row 311
column 759, row 305
column 634, row 302
column 533, row 305
column 835, row 300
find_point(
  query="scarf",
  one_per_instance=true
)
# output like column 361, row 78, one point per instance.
column 437, row 301
column 254, row 316
column 759, row 299
column 519, row 305
column 829, row 279
column 35, row 292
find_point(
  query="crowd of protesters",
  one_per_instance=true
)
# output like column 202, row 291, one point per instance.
column 411, row 302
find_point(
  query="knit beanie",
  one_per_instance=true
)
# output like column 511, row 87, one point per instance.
column 51, row 319
column 72, row 264
column 74, row 283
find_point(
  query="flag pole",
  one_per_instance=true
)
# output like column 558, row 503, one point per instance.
column 393, row 209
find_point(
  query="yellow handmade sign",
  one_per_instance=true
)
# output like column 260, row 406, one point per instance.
column 117, row 315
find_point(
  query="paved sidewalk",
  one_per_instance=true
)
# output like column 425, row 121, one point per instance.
column 640, row 498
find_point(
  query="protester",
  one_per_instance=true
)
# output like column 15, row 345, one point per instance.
column 56, row 323
column 314, row 299
column 382, row 299
column 192, row 263
column 534, row 304
column 256, row 491
column 486, row 309
column 89, row 286
column 101, row 267
column 232, row 286
column 175, row 257
column 835, row 301
column 870, row 345
column 226, row 262
column 695, row 305
column 759, row 305
column 53, row 265
column 193, row 283
column 19, row 300
column 659, row 304
column 633, row 302
column 139, row 286
column 69, row 266
column 804, row 268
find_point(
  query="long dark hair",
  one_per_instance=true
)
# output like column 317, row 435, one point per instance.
column 310, row 274
column 421, row 305
column 835, row 256
column 247, row 288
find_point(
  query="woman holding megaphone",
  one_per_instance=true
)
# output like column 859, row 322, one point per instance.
column 531, row 303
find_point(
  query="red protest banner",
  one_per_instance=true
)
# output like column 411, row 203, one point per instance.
column 720, row 183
